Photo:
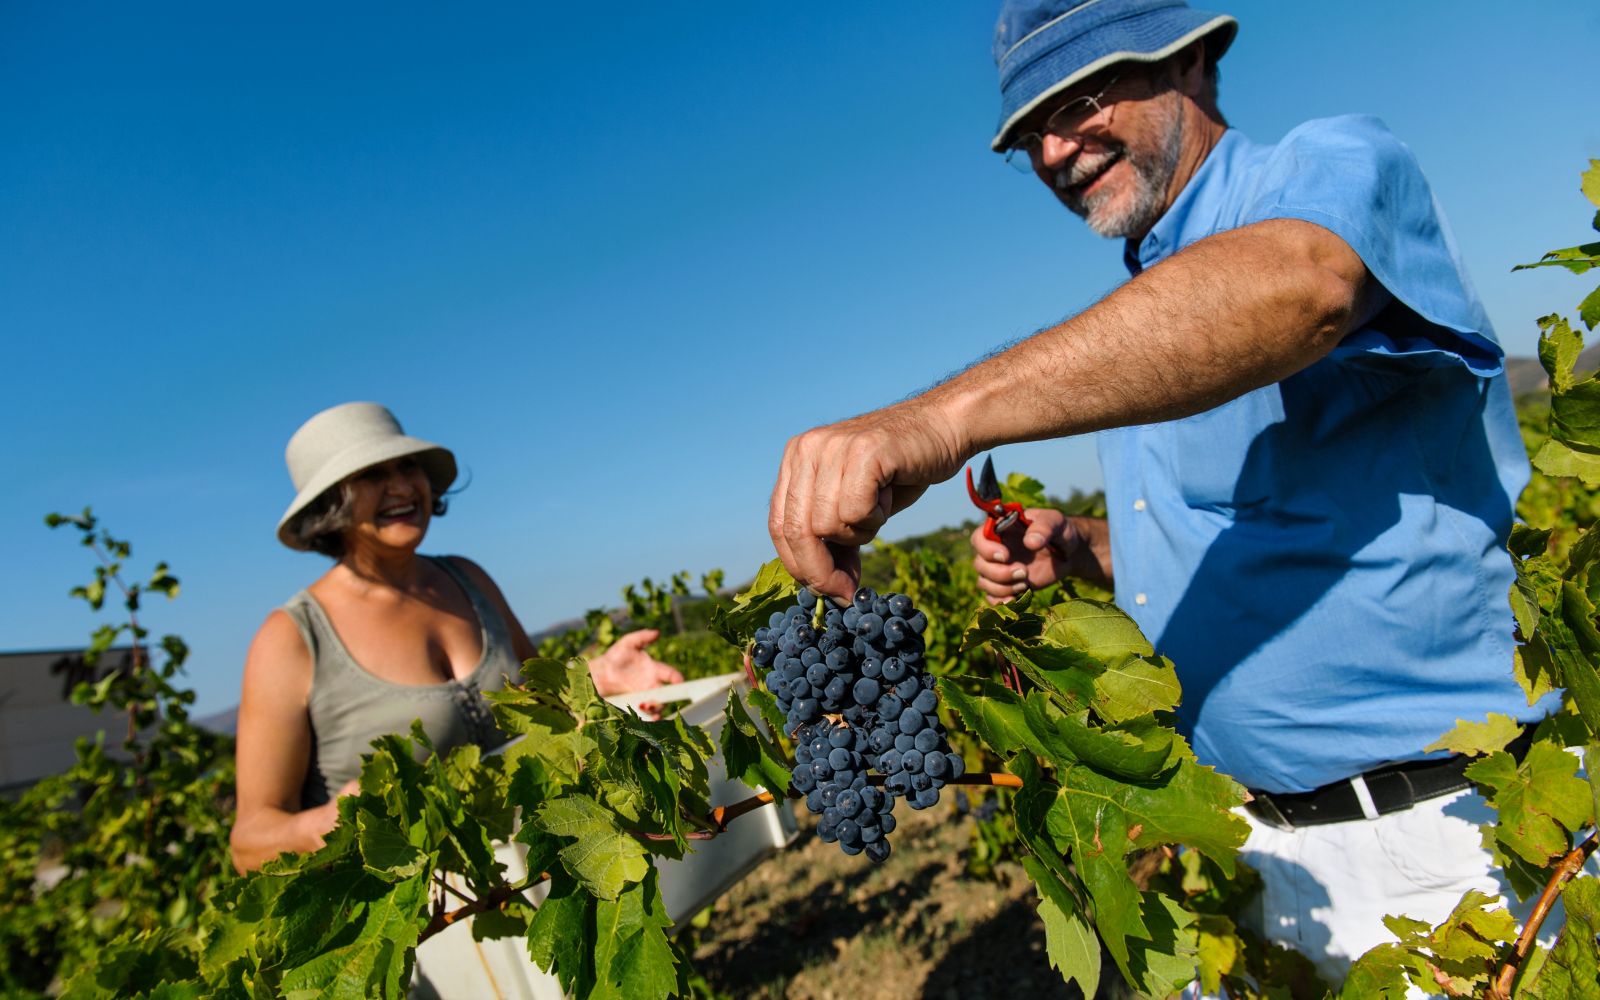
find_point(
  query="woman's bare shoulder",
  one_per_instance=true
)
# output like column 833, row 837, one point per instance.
column 476, row 573
column 278, row 652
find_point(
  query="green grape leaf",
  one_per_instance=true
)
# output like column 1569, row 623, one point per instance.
column 1589, row 309
column 233, row 924
column 561, row 936
column 1219, row 949
column 1589, row 184
column 1578, row 259
column 995, row 715
column 386, row 850
column 1540, row 801
column 377, row 961
column 1478, row 738
column 632, row 955
column 1070, row 943
column 1098, row 821
column 1166, row 962
column 665, row 760
column 1572, row 969
column 1097, row 628
column 1575, row 416
column 1381, row 974
column 604, row 858
column 1575, row 649
column 1559, row 349
column 1023, row 489
column 1033, row 803
column 1136, row 687
column 1474, row 934
column 1137, row 750
column 763, row 702
column 749, row 754
column 317, row 902
column 509, row 920
column 552, row 698
column 177, row 991
column 1017, row 632
column 1534, row 669
column 1526, row 542
column 1561, row 460
column 772, row 590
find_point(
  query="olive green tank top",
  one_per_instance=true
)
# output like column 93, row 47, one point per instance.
column 350, row 707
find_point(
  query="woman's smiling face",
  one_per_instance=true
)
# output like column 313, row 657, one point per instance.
column 390, row 504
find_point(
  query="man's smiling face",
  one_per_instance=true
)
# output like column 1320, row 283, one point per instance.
column 1116, row 169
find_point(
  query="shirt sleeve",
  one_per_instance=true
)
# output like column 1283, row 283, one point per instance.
column 1351, row 176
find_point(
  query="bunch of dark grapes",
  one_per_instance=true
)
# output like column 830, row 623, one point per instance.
column 857, row 699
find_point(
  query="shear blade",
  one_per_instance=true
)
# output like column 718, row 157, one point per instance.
column 988, row 486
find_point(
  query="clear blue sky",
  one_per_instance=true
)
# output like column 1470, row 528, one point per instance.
column 613, row 255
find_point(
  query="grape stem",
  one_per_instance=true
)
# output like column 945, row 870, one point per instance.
column 1564, row 872
column 1008, row 671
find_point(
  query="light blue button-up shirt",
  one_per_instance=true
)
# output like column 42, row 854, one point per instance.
column 1323, row 558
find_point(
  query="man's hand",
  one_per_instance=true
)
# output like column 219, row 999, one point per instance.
column 1054, row 546
column 626, row 667
column 839, row 483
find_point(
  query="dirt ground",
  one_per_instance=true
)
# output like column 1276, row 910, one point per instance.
column 813, row 924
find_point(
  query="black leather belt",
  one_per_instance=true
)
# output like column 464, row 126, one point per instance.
column 1392, row 788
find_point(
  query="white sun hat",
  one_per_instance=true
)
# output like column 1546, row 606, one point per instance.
column 343, row 440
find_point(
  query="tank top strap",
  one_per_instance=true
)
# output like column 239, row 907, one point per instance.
column 315, row 631
column 496, row 632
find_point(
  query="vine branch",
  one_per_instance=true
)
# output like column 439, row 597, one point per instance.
column 1565, row 872
column 717, row 822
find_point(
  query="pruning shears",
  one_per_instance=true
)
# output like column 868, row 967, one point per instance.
column 1001, row 516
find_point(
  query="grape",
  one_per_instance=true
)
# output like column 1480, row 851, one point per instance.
column 857, row 699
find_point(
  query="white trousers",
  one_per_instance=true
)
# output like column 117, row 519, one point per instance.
column 1326, row 889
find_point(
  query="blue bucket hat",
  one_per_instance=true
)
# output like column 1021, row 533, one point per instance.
column 1045, row 46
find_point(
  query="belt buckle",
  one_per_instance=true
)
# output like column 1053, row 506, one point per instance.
column 1263, row 808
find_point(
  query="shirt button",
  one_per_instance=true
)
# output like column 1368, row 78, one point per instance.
column 1139, row 599
column 1138, row 504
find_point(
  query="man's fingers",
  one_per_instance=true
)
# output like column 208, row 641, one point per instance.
column 666, row 674
column 997, row 591
column 1046, row 527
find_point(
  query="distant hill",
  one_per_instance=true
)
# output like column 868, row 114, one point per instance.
column 1527, row 374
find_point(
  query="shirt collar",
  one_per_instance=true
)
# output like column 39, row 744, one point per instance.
column 1200, row 197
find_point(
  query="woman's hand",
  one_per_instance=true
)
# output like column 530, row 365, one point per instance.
column 626, row 667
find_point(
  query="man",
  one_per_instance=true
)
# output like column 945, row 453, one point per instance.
column 1309, row 449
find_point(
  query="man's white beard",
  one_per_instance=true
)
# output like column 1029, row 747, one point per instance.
column 1152, row 173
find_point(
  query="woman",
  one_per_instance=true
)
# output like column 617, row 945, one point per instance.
column 384, row 637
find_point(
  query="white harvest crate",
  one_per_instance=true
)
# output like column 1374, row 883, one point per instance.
column 452, row 966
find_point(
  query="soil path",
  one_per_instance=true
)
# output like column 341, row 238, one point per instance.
column 813, row 924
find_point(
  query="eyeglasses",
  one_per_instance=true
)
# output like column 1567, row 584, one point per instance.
column 1067, row 120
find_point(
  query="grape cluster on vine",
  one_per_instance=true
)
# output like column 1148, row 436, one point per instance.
column 856, row 698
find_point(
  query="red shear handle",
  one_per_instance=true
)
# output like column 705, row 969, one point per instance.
column 1011, row 515
column 1001, row 515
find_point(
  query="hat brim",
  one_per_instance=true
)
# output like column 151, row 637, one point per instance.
column 437, row 461
column 1147, row 38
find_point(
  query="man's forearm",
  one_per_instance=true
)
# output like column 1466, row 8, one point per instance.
column 1229, row 314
